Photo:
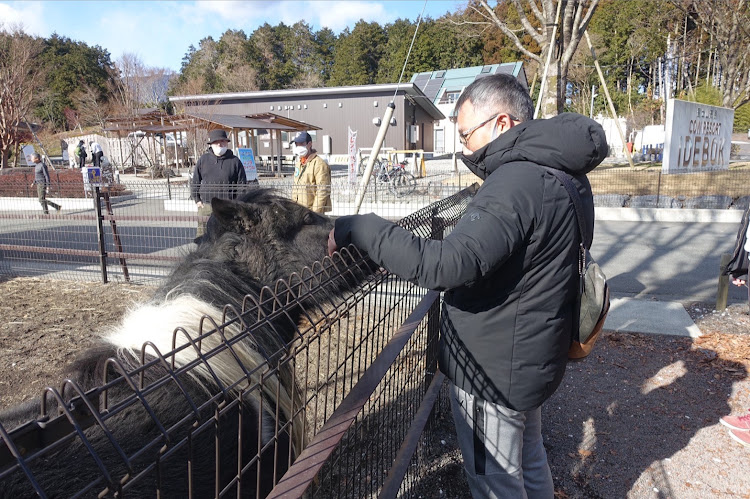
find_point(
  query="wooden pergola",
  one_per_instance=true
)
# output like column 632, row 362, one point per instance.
column 154, row 123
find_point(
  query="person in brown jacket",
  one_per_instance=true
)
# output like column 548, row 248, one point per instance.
column 312, row 176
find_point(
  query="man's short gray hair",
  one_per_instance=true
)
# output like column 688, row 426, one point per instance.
column 36, row 155
column 498, row 93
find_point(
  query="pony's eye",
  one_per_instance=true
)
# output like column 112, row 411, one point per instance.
column 308, row 219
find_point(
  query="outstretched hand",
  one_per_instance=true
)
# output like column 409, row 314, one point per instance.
column 331, row 244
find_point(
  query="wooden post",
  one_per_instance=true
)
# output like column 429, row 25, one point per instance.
column 609, row 99
column 116, row 235
column 722, row 292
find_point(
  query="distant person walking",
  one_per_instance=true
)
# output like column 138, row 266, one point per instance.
column 96, row 153
column 81, row 154
column 42, row 181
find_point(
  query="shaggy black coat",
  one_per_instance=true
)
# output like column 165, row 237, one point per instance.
column 166, row 441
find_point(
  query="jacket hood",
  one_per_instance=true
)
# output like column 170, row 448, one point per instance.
column 569, row 142
column 227, row 154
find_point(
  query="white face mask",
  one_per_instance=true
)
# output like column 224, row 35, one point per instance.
column 218, row 149
column 300, row 151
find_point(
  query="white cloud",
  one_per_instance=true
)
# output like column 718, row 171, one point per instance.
column 231, row 13
column 28, row 15
column 337, row 15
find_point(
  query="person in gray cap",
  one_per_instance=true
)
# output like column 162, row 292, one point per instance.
column 216, row 175
column 41, row 179
column 312, row 176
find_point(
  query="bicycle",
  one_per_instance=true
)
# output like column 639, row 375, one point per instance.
column 400, row 182
column 363, row 164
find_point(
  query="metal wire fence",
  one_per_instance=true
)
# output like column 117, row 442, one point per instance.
column 650, row 188
column 364, row 366
column 136, row 232
column 140, row 228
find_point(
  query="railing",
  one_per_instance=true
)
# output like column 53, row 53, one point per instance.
column 365, row 370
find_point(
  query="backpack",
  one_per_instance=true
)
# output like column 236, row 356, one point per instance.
column 593, row 292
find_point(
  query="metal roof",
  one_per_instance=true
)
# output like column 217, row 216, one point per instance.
column 435, row 83
column 407, row 88
column 234, row 121
column 164, row 123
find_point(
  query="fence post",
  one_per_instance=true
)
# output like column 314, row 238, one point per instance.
column 100, row 233
column 437, row 231
column 658, row 190
column 169, row 188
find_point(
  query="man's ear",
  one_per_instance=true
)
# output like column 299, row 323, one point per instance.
column 507, row 121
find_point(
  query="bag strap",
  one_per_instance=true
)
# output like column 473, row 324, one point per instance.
column 565, row 180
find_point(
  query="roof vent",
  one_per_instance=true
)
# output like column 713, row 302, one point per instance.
column 439, row 74
column 486, row 69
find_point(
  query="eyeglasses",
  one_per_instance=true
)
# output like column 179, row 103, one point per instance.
column 465, row 136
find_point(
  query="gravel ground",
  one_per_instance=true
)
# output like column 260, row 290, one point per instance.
column 637, row 419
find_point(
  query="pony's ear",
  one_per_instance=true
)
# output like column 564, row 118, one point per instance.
column 234, row 215
column 224, row 211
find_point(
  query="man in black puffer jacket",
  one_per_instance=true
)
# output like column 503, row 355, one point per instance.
column 510, row 274
column 214, row 176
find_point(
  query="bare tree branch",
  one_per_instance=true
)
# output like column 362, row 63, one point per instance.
column 530, row 29
column 537, row 13
column 507, row 31
column 20, row 80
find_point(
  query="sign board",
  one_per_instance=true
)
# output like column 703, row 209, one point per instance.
column 698, row 137
column 352, row 155
column 248, row 161
column 27, row 151
column 92, row 177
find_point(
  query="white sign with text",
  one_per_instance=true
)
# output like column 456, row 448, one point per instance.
column 698, row 137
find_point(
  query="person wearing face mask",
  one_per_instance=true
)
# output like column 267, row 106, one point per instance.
column 509, row 270
column 312, row 176
column 218, row 174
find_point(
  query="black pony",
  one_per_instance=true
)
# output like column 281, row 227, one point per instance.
column 188, row 423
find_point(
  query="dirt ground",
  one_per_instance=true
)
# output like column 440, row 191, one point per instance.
column 639, row 418
column 44, row 323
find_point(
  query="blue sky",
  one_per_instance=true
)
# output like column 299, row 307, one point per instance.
column 161, row 32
